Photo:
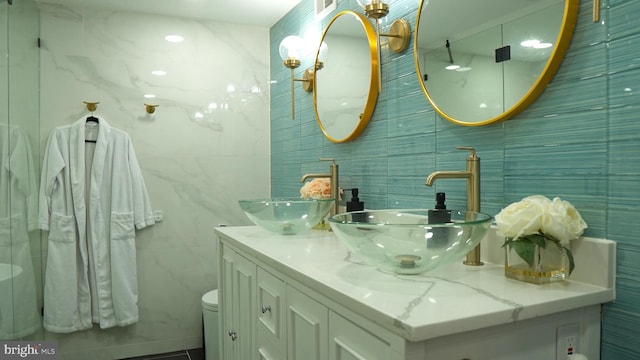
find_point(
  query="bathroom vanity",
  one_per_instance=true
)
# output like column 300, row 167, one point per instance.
column 306, row 297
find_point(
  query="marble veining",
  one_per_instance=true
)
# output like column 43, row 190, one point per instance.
column 516, row 306
column 415, row 302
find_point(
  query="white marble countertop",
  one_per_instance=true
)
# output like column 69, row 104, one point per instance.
column 449, row 300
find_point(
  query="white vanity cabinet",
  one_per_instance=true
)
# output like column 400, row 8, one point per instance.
column 265, row 318
column 303, row 297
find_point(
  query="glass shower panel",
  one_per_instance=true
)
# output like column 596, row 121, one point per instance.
column 6, row 262
column 20, row 253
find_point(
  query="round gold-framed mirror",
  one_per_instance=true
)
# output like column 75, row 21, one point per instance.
column 480, row 62
column 346, row 85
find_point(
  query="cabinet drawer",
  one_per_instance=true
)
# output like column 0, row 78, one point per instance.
column 271, row 315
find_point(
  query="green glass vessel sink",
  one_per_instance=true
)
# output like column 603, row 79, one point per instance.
column 286, row 216
column 403, row 241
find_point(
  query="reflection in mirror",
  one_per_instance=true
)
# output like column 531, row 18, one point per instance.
column 345, row 89
column 498, row 63
column 20, row 259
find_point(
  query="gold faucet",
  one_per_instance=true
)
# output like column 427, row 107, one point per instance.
column 335, row 188
column 472, row 174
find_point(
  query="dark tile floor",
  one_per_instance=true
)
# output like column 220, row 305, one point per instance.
column 192, row 354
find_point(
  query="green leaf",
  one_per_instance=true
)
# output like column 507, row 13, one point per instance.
column 572, row 264
column 537, row 239
column 525, row 249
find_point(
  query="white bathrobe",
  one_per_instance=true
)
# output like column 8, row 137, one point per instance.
column 91, row 206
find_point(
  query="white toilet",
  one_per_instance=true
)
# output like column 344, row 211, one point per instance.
column 210, row 319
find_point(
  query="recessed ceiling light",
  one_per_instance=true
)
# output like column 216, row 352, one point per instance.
column 174, row 38
column 149, row 96
column 453, row 67
column 542, row 45
column 159, row 72
column 536, row 44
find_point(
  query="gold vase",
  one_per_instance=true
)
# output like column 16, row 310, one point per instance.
column 549, row 265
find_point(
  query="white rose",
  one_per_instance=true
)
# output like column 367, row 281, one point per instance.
column 563, row 221
column 522, row 218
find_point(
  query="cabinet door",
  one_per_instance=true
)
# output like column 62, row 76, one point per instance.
column 238, row 307
column 348, row 341
column 227, row 308
column 271, row 339
column 245, row 291
column 307, row 322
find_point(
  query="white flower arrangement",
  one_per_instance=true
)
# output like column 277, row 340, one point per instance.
column 535, row 220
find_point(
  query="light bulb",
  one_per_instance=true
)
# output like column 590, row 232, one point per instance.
column 323, row 53
column 291, row 47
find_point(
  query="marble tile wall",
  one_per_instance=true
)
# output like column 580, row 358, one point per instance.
column 579, row 141
column 204, row 148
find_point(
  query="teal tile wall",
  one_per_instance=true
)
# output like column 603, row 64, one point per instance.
column 580, row 140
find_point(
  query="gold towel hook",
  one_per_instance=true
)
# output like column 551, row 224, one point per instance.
column 150, row 108
column 91, row 106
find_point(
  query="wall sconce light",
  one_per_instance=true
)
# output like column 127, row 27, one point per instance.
column 291, row 49
column 308, row 75
column 400, row 30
